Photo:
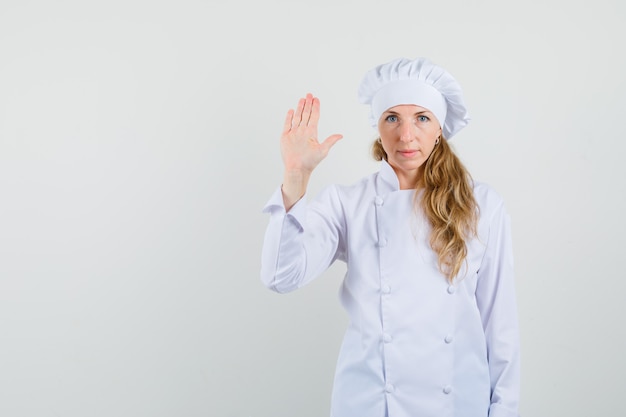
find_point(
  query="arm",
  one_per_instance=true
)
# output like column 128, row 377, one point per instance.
column 300, row 242
column 495, row 295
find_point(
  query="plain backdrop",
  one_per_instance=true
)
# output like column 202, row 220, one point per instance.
column 139, row 143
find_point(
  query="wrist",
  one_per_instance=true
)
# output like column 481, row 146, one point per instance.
column 294, row 186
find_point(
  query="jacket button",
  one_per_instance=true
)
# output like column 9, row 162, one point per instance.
column 449, row 338
column 447, row 389
column 378, row 201
column 451, row 289
column 389, row 388
column 386, row 289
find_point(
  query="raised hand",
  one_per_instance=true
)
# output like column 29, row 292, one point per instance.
column 299, row 145
column 300, row 148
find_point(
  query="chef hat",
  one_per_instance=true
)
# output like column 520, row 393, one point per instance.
column 419, row 82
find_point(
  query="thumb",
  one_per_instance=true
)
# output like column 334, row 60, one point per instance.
column 330, row 141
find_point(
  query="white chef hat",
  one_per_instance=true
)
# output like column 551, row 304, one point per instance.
column 419, row 82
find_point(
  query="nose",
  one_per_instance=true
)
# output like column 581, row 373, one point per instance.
column 406, row 132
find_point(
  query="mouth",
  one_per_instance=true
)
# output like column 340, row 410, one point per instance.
column 408, row 153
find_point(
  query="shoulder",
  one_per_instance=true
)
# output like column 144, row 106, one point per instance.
column 488, row 199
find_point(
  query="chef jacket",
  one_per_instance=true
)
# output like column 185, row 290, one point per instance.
column 416, row 345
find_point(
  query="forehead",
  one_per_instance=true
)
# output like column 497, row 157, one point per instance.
column 407, row 109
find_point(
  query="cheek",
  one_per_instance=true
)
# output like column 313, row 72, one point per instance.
column 385, row 139
column 383, row 130
column 431, row 136
column 428, row 142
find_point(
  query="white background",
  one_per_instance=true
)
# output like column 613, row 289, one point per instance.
column 139, row 142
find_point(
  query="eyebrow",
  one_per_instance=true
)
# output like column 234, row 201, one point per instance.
column 415, row 114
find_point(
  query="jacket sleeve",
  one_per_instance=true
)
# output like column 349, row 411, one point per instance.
column 496, row 299
column 301, row 244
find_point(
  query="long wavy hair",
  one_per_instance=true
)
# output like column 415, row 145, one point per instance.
column 448, row 204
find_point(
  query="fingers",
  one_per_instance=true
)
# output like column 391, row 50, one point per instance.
column 302, row 114
column 297, row 116
column 315, row 111
column 305, row 116
column 306, row 112
column 288, row 119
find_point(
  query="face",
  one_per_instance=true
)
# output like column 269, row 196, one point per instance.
column 408, row 134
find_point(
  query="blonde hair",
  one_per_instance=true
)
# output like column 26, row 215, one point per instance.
column 448, row 204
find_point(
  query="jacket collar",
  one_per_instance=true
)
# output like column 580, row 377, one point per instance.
column 387, row 178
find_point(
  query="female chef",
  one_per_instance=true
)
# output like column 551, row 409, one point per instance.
column 429, row 287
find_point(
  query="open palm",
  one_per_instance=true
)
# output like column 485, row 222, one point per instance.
column 300, row 148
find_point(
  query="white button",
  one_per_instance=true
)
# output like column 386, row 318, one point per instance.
column 449, row 338
column 386, row 338
column 451, row 289
column 382, row 243
column 386, row 289
column 379, row 201
column 447, row 389
column 389, row 388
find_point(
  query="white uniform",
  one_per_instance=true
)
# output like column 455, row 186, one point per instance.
column 415, row 346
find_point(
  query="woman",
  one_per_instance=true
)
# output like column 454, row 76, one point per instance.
column 429, row 284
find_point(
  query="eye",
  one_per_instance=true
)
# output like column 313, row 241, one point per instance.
column 423, row 118
column 392, row 118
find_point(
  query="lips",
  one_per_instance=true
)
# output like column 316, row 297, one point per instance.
column 408, row 152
